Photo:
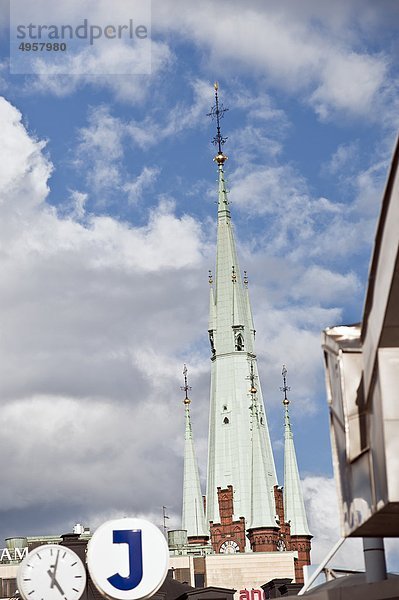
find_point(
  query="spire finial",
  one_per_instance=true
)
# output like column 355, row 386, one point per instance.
column 186, row 387
column 252, row 378
column 210, row 278
column 217, row 112
column 252, row 390
column 245, row 279
column 285, row 387
column 233, row 274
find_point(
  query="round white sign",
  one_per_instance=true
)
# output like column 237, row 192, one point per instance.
column 128, row 559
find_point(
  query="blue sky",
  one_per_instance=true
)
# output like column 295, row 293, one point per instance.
column 108, row 231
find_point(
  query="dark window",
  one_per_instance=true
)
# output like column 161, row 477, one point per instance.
column 239, row 342
column 199, row 580
column 226, row 421
column 8, row 587
column 211, row 342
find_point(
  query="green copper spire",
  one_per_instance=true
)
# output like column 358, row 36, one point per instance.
column 233, row 453
column 294, row 507
column 193, row 516
column 262, row 497
column 229, row 294
column 223, row 202
column 248, row 307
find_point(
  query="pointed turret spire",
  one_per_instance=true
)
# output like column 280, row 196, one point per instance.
column 294, row 506
column 262, row 500
column 212, row 313
column 248, row 307
column 193, row 517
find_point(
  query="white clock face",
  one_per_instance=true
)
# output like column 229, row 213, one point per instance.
column 229, row 547
column 51, row 572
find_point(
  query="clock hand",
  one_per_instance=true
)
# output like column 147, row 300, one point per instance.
column 55, row 569
column 54, row 582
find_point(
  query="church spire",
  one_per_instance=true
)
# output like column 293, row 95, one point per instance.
column 230, row 460
column 263, row 512
column 193, row 517
column 294, row 506
column 228, row 294
column 248, row 307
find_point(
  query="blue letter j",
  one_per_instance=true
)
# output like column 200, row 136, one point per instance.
column 133, row 539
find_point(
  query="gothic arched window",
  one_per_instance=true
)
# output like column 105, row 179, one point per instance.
column 239, row 342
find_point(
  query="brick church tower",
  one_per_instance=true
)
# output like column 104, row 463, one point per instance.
column 246, row 510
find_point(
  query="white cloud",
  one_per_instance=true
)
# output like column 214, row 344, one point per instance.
column 101, row 145
column 23, row 170
column 115, row 63
column 322, row 509
column 258, row 106
column 349, row 82
column 122, row 65
column 322, row 285
column 343, row 159
column 250, row 143
column 77, row 204
column 299, row 225
column 368, row 185
column 305, row 51
column 180, row 117
column 99, row 155
column 315, row 54
column 80, row 304
column 293, row 338
column 102, row 142
column 136, row 187
column 324, row 523
column 297, row 222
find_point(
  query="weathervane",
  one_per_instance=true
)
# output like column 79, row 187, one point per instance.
column 285, row 387
column 217, row 112
column 186, row 387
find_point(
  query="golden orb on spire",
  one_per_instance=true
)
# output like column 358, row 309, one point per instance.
column 216, row 86
column 220, row 158
column 186, row 401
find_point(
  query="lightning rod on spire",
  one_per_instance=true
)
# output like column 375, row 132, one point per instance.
column 285, row 387
column 186, row 387
column 165, row 516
